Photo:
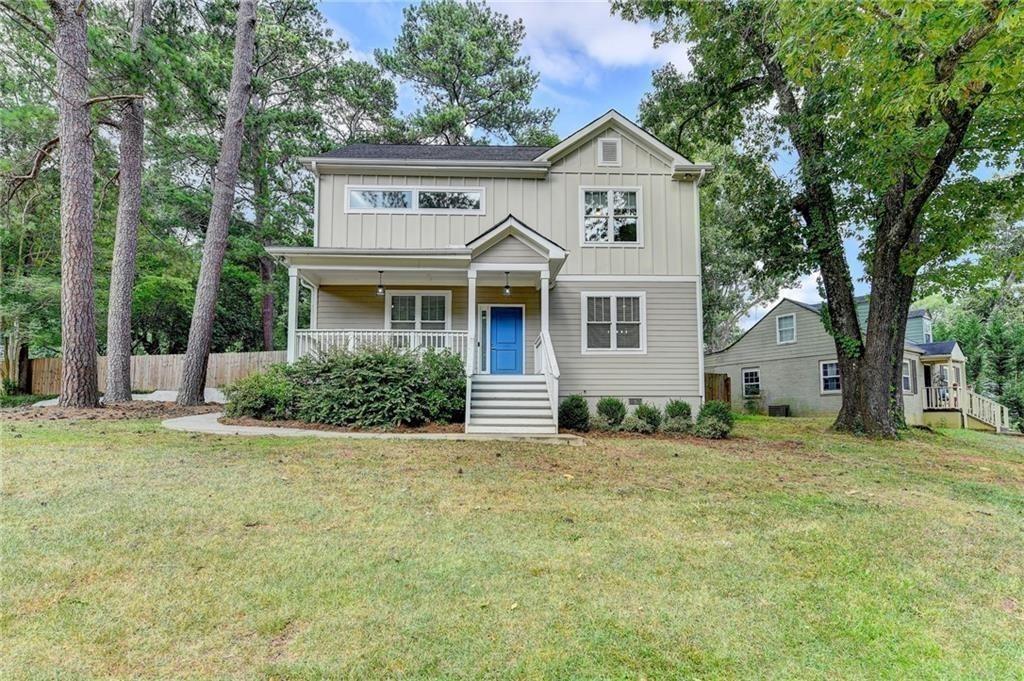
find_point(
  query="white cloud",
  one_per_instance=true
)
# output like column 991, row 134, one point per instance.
column 340, row 32
column 805, row 291
column 568, row 42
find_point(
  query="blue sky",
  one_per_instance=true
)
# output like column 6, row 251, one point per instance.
column 589, row 61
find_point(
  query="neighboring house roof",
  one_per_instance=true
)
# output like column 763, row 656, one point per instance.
column 816, row 307
column 434, row 152
column 937, row 348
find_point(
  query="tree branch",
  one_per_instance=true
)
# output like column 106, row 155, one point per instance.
column 27, row 19
column 37, row 163
column 111, row 98
column 945, row 64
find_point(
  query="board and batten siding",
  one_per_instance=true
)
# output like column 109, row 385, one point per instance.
column 551, row 206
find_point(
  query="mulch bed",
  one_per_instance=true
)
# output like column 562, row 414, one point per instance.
column 122, row 411
column 426, row 428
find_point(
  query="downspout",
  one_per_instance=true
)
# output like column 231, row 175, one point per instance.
column 316, row 204
column 700, row 286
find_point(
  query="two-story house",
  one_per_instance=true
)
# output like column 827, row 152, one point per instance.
column 788, row 359
column 551, row 271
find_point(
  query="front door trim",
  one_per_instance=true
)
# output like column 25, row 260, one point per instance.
column 482, row 351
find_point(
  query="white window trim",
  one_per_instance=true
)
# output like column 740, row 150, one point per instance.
column 642, row 295
column 926, row 330
column 618, row 151
column 419, row 300
column 821, row 378
column 639, row 243
column 415, row 189
column 743, row 383
column 908, row 374
column 778, row 331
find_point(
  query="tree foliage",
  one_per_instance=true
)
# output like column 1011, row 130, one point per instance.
column 463, row 61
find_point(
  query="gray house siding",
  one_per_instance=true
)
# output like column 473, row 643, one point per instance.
column 551, row 206
column 790, row 372
column 510, row 250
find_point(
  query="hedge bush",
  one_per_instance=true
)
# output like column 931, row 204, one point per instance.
column 372, row 388
column 574, row 414
column 613, row 409
column 600, row 422
column 677, row 424
column 718, row 408
column 649, row 414
column 678, row 409
column 634, row 424
column 711, row 426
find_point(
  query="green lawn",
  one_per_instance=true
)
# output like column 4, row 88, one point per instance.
column 787, row 552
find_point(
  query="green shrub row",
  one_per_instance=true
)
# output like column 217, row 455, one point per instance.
column 715, row 419
column 370, row 388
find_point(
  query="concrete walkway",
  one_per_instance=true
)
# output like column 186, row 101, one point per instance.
column 209, row 424
column 211, row 395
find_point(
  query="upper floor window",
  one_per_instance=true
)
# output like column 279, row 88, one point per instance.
column 611, row 216
column 614, row 322
column 927, row 324
column 428, row 200
column 785, row 329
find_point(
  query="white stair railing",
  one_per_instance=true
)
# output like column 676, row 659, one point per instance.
column 544, row 362
column 986, row 410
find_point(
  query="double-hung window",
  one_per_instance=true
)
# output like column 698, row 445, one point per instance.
column 830, row 380
column 424, row 311
column 785, row 329
column 611, row 216
column 908, row 384
column 926, row 328
column 427, row 200
column 751, row 382
column 614, row 322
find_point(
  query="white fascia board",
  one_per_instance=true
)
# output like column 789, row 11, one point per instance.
column 632, row 129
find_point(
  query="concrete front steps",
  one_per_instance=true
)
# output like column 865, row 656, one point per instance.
column 509, row 403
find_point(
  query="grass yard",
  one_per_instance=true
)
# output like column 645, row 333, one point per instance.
column 787, row 552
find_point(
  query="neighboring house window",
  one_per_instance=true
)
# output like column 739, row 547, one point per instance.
column 927, row 323
column 427, row 200
column 956, row 375
column 611, row 217
column 614, row 322
column 418, row 311
column 907, row 377
column 785, row 329
column 830, row 381
column 751, row 382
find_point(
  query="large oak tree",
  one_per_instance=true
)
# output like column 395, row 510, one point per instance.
column 893, row 111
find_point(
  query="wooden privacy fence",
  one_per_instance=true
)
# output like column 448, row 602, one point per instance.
column 716, row 387
column 161, row 372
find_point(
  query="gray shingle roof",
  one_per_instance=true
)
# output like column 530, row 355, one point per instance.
column 434, row 152
column 937, row 348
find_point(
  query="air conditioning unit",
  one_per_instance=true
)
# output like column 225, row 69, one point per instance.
column 778, row 410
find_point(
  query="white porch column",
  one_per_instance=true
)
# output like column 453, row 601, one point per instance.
column 293, row 312
column 471, row 323
column 545, row 316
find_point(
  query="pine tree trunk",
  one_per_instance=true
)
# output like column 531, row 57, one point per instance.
column 267, row 278
column 193, row 375
column 78, row 385
column 126, row 238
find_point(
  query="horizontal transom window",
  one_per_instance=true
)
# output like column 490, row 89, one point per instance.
column 611, row 216
column 614, row 322
column 428, row 200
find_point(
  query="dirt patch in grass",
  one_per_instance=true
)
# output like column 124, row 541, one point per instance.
column 121, row 411
column 426, row 428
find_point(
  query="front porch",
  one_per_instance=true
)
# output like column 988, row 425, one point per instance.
column 950, row 403
column 487, row 302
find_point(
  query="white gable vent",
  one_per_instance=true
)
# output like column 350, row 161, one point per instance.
column 609, row 151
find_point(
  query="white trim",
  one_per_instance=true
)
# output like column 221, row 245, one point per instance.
column 316, row 205
column 415, row 209
column 388, row 294
column 821, row 378
column 630, row 129
column 601, row 161
column 627, row 278
column 926, row 330
column 639, row 243
column 778, row 335
column 490, row 317
column 509, row 267
column 909, row 375
column 642, row 295
column 743, row 382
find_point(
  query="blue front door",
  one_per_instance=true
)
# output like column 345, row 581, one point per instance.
column 506, row 340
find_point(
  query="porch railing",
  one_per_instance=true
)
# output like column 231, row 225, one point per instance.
column 986, row 410
column 310, row 341
column 544, row 362
column 941, row 397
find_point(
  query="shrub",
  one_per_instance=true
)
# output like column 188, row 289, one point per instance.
column 711, row 426
column 574, row 414
column 8, row 387
column 677, row 424
column 600, row 422
column 444, row 396
column 267, row 395
column 678, row 409
column 719, row 409
column 752, row 406
column 613, row 409
column 634, row 424
column 649, row 414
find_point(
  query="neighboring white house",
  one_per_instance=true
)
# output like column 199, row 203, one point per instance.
column 788, row 359
column 552, row 271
